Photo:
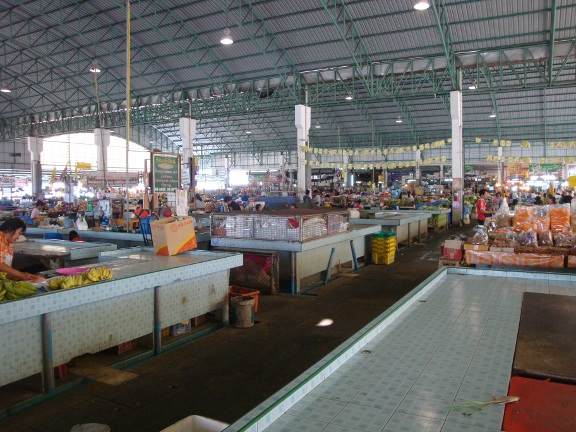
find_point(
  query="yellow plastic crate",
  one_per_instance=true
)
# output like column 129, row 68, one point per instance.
column 386, row 258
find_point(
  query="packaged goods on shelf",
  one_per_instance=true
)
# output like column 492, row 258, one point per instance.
column 560, row 217
column 545, row 238
column 528, row 238
column 523, row 219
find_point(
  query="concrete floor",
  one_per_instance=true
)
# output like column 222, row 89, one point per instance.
column 226, row 374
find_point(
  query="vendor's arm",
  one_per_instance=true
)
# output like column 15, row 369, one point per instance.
column 17, row 275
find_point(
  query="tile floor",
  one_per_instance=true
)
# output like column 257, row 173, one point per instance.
column 452, row 345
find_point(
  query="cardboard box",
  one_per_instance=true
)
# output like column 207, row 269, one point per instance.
column 452, row 250
column 476, row 247
column 171, row 236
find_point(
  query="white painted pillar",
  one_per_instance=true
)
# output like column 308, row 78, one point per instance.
column 500, row 166
column 102, row 140
column 302, row 118
column 35, row 147
column 188, row 133
column 385, row 179
column 457, row 156
column 345, row 182
column 418, row 173
column 441, row 172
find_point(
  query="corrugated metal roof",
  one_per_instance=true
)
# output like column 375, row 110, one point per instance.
column 177, row 47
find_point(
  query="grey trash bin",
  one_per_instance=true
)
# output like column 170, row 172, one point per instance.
column 242, row 311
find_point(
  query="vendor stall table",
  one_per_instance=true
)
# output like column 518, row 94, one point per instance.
column 407, row 225
column 450, row 341
column 57, row 253
column 300, row 260
column 120, row 239
column 147, row 292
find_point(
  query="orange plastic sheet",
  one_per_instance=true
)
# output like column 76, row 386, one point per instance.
column 511, row 259
column 571, row 261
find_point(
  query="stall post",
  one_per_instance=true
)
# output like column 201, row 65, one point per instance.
column 35, row 146
column 457, row 156
column 302, row 122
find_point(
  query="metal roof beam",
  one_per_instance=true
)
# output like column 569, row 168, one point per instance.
column 441, row 17
column 254, row 26
column 341, row 18
column 552, row 37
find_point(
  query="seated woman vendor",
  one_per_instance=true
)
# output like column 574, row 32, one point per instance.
column 10, row 230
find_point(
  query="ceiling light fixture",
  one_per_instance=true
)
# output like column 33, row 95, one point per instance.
column 5, row 89
column 248, row 131
column 422, row 5
column 318, row 126
column 349, row 96
column 492, row 114
column 399, row 119
column 94, row 67
column 472, row 86
column 226, row 39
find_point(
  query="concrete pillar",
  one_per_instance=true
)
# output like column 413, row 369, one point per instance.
column 35, row 147
column 441, row 173
column 457, row 156
column 500, row 165
column 418, row 169
column 302, row 120
column 188, row 133
column 227, row 175
column 102, row 140
column 385, row 178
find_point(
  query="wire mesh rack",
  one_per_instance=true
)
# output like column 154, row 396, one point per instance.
column 295, row 225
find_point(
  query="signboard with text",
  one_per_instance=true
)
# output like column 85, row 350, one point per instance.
column 166, row 172
column 96, row 179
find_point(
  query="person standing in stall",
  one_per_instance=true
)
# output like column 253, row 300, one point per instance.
column 481, row 207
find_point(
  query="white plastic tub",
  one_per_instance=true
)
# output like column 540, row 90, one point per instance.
column 196, row 423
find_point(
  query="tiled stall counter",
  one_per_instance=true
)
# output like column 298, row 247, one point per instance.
column 303, row 238
column 45, row 330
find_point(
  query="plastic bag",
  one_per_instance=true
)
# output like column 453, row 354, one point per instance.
column 541, row 218
column 562, row 240
column 503, row 209
column 523, row 220
column 81, row 224
column 545, row 238
column 528, row 238
column 559, row 217
column 502, row 220
column 480, row 238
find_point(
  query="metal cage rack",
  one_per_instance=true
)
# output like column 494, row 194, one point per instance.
column 295, row 225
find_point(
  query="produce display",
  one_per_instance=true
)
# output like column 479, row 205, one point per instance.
column 96, row 274
column 12, row 290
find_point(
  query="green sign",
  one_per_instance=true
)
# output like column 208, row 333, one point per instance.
column 165, row 172
column 545, row 168
column 469, row 168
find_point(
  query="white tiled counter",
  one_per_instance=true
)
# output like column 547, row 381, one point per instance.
column 300, row 260
column 449, row 341
column 148, row 292
column 407, row 226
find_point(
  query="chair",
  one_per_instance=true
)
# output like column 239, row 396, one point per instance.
column 144, row 225
column 53, row 236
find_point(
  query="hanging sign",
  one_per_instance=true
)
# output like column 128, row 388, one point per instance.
column 166, row 173
column 544, row 168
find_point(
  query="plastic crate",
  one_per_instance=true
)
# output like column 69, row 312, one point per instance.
column 236, row 291
column 126, row 346
column 385, row 258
